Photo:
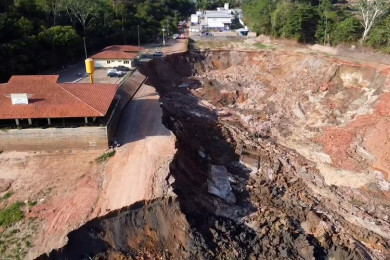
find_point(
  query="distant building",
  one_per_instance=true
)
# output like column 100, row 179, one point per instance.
column 218, row 19
column 116, row 55
column 194, row 19
column 36, row 111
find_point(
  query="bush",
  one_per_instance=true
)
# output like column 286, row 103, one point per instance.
column 302, row 24
column 280, row 16
column 347, row 31
column 11, row 215
column 378, row 37
column 104, row 157
column 257, row 15
column 7, row 195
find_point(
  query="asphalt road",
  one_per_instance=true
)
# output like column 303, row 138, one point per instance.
column 141, row 117
column 140, row 166
column 73, row 73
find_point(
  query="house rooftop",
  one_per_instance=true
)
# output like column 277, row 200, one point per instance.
column 218, row 14
column 114, row 54
column 49, row 99
column 125, row 48
column 124, row 52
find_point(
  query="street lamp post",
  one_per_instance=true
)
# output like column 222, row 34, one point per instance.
column 139, row 42
column 163, row 30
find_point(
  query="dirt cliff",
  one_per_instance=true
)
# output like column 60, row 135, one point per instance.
column 279, row 156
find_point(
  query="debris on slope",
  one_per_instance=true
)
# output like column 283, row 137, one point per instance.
column 250, row 125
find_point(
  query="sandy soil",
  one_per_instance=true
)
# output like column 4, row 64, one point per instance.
column 141, row 164
column 63, row 184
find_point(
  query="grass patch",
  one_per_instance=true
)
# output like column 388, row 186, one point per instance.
column 7, row 195
column 32, row 203
column 11, row 214
column 261, row 46
column 104, row 157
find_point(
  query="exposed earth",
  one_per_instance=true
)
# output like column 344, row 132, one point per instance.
column 278, row 155
column 64, row 189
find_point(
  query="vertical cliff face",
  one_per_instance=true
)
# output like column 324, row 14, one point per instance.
column 262, row 116
column 245, row 187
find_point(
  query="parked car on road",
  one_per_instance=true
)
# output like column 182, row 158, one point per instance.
column 112, row 73
column 122, row 68
column 158, row 54
column 115, row 73
column 175, row 36
column 120, row 73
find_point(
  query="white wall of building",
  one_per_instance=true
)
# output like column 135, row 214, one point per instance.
column 194, row 18
column 102, row 63
column 216, row 20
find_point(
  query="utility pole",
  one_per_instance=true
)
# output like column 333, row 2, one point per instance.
column 139, row 42
column 168, row 29
column 85, row 48
column 163, row 30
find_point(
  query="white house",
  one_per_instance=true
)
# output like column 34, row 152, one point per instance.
column 218, row 19
column 116, row 55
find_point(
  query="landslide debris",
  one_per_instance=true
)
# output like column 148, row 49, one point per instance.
column 249, row 176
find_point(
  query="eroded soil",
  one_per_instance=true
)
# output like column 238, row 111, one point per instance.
column 301, row 145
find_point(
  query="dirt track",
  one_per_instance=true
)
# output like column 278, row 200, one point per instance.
column 138, row 170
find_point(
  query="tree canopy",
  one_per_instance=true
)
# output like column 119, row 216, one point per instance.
column 40, row 36
column 313, row 21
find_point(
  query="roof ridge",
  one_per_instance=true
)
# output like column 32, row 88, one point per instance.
column 60, row 85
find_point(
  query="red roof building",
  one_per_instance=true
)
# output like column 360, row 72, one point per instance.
column 124, row 48
column 49, row 99
column 116, row 55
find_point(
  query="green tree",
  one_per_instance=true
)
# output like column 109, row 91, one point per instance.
column 25, row 26
column 258, row 15
column 82, row 12
column 60, row 36
column 279, row 17
column 327, row 17
column 380, row 35
column 347, row 31
column 370, row 11
column 302, row 23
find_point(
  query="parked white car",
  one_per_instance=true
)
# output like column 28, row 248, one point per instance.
column 115, row 73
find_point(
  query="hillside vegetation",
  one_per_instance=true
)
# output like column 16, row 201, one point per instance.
column 41, row 35
column 324, row 22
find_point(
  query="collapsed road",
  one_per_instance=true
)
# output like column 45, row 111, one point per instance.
column 277, row 157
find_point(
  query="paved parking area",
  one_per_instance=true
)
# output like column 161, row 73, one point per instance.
column 100, row 76
column 76, row 73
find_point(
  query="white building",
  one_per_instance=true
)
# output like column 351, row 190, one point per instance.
column 194, row 19
column 116, row 55
column 218, row 19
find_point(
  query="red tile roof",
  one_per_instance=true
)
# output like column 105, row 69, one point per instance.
column 55, row 100
column 118, row 52
column 109, row 54
column 125, row 48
